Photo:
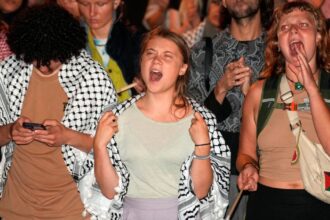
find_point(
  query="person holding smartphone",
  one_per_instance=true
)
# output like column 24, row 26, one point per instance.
column 56, row 93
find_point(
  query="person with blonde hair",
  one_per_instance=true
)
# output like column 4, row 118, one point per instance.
column 110, row 43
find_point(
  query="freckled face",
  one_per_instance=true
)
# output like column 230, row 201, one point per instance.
column 161, row 65
column 298, row 29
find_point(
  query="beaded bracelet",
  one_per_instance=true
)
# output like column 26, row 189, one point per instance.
column 205, row 157
column 199, row 145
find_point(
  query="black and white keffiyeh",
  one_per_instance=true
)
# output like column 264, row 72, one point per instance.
column 88, row 88
column 212, row 207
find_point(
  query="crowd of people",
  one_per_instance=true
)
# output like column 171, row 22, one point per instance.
column 167, row 109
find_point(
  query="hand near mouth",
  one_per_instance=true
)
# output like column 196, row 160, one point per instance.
column 303, row 71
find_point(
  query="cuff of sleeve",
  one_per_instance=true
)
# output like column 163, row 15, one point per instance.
column 221, row 111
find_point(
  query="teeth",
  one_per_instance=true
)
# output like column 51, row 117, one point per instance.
column 294, row 42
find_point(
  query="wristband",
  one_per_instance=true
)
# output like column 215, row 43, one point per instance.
column 252, row 164
column 199, row 145
column 205, row 157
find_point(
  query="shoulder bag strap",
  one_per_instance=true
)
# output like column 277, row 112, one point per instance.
column 267, row 101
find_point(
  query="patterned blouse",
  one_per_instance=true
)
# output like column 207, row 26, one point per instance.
column 225, row 50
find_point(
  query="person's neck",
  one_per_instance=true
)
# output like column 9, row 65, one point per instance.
column 246, row 29
column 158, row 107
column 292, row 75
column 102, row 33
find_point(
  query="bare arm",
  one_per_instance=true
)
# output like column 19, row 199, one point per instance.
column 201, row 170
column 105, row 173
column 5, row 135
column 79, row 140
column 247, row 154
column 57, row 134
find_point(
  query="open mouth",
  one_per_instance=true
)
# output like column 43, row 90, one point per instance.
column 293, row 47
column 155, row 75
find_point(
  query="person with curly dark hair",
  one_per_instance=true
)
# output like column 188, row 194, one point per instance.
column 41, row 43
column 56, row 93
column 237, row 60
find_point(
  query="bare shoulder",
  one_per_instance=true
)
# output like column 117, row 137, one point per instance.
column 254, row 93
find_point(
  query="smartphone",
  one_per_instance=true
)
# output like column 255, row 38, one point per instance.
column 33, row 126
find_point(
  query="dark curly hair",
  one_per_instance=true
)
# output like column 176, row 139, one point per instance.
column 44, row 33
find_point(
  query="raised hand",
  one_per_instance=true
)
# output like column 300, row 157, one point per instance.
column 199, row 130
column 106, row 128
column 237, row 73
column 305, row 73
